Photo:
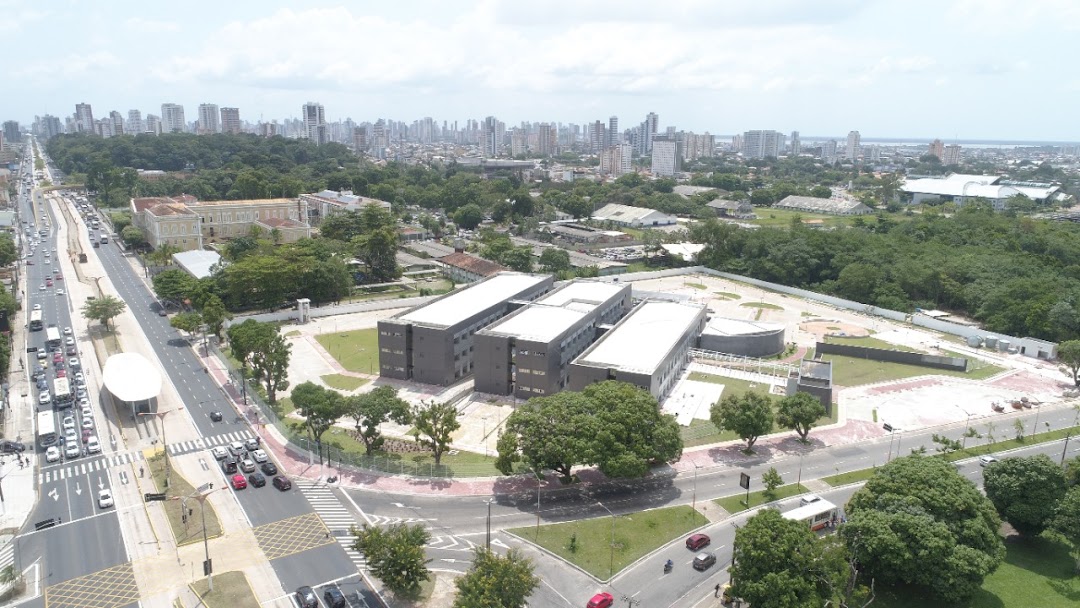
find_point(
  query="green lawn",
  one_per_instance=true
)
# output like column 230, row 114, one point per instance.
column 854, row 371
column 868, row 342
column 737, row 503
column 765, row 305
column 727, row 295
column 356, row 351
column 458, row 464
column 342, row 382
column 696, row 285
column 636, row 535
column 231, row 589
column 191, row 531
column 1036, row 572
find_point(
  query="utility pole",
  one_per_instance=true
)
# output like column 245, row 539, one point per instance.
column 488, row 540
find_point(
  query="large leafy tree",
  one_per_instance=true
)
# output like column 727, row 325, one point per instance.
column 778, row 562
column 433, row 425
column 496, row 581
column 555, row 259
column 916, row 511
column 214, row 314
column 174, row 285
column 8, row 252
column 1069, row 355
column 469, row 216
column 1066, row 521
column 1025, row 491
column 270, row 364
column 373, row 408
column 749, row 415
column 548, row 433
column 376, row 246
column 395, row 555
column 188, row 322
column 321, row 407
column 799, row 412
column 103, row 309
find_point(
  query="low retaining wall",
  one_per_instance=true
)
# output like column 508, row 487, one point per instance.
column 957, row 364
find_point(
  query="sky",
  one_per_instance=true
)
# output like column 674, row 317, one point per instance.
column 919, row 69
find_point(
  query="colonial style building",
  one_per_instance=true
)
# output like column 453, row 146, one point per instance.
column 186, row 223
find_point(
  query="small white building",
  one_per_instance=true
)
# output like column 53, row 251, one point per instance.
column 635, row 217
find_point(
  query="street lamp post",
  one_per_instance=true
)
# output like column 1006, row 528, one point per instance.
column 164, row 444
column 694, row 504
column 487, row 543
column 1038, row 410
column 611, row 557
column 201, row 497
column 1068, row 435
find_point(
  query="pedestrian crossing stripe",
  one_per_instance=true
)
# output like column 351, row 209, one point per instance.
column 202, row 443
column 7, row 556
column 77, row 467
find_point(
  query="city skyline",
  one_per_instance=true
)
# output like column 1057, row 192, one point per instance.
column 887, row 71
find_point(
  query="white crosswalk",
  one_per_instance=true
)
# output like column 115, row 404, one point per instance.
column 73, row 468
column 7, row 556
column 335, row 516
column 202, row 443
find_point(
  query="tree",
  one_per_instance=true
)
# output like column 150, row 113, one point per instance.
column 496, row 581
column 799, row 412
column 749, row 415
column 469, row 216
column 188, row 322
column 133, row 237
column 777, row 563
column 8, row 252
column 1025, row 491
column 519, row 259
column 173, row 285
column 1069, row 354
column 373, row 408
column 395, row 555
column 270, row 364
column 772, row 480
column 548, row 433
column 103, row 309
column 1066, row 521
column 320, row 407
column 435, row 422
column 916, row 511
column 555, row 259
column 214, row 314
column 820, row 192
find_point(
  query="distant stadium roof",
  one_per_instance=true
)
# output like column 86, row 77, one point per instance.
column 197, row 262
column 632, row 216
column 131, row 377
column 985, row 186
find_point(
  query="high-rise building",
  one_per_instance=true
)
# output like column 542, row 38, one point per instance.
column 762, row 144
column 851, row 152
column 693, row 146
column 50, row 126
column 490, row 137
column 597, row 137
column 613, row 137
column 546, row 139
column 518, row 143
column 153, row 124
column 937, row 148
column 872, row 154
column 268, row 129
column 360, row 139
column 84, row 117
column 11, row 132
column 209, row 119
column 617, row 160
column 664, row 155
column 951, row 155
column 652, row 125
column 230, row 120
column 135, row 122
column 172, row 118
column 314, row 122
column 117, row 123
column 379, row 138
column 828, row 152
column 795, row 148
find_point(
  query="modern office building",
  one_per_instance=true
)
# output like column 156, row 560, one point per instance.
column 664, row 156
column 854, row 140
column 116, row 123
column 84, row 117
column 951, row 155
column 617, row 160
column 135, row 123
column 12, row 135
column 153, row 124
column 172, row 118
column 649, row 348
column 828, row 152
column 230, row 120
column 937, row 148
column 762, row 144
column 528, row 352
column 795, row 147
column 314, row 117
column 614, row 138
column 433, row 343
column 209, row 119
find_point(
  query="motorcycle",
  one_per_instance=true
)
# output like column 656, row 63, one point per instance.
column 668, row 566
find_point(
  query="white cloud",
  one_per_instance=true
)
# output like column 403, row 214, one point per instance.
column 72, row 67
column 151, row 26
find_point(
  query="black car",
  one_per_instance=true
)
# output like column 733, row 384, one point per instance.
column 257, row 480
column 335, row 598
column 282, row 483
column 216, row 416
column 228, row 465
column 305, row 596
column 8, row 446
column 268, row 468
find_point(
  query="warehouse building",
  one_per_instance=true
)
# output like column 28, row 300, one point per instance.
column 528, row 352
column 433, row 343
column 649, row 348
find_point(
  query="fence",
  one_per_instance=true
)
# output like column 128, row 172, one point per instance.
column 956, row 364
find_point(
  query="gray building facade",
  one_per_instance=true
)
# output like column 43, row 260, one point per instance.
column 649, row 348
column 527, row 353
column 433, row 343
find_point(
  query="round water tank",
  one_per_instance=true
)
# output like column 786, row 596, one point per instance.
column 990, row 342
column 1003, row 345
column 974, row 341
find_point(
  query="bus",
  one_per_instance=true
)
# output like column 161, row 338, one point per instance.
column 35, row 321
column 62, row 396
column 46, row 429
column 52, row 336
column 815, row 511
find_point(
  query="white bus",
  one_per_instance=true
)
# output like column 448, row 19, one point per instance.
column 35, row 320
column 46, row 429
column 62, row 396
column 52, row 336
column 816, row 512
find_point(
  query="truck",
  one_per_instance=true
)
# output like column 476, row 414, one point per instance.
column 104, row 239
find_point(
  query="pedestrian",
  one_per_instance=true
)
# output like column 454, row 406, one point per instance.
column 717, row 590
column 140, row 471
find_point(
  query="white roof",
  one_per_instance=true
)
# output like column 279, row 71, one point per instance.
column 588, row 291
column 627, row 214
column 723, row 326
column 540, row 323
column 462, row 304
column 197, row 262
column 131, row 377
column 641, row 341
column 687, row 251
column 963, row 184
column 809, row 510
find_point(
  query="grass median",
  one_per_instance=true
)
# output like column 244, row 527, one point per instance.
column 588, row 543
column 189, row 531
column 231, row 590
column 737, row 503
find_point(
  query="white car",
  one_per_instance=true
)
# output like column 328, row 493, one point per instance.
column 69, row 423
column 70, row 436
column 44, row 398
column 73, row 363
column 259, row 456
column 67, row 331
column 41, row 287
column 105, row 499
column 69, row 341
column 985, row 460
column 52, row 454
column 37, row 306
column 87, row 422
column 72, row 450
column 219, row 452
column 60, row 291
column 92, row 445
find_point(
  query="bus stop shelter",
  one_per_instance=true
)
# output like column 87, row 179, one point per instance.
column 133, row 380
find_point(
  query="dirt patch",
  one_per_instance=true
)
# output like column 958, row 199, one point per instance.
column 820, row 329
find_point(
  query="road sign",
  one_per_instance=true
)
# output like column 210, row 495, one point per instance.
column 46, row 523
column 152, row 497
column 744, row 481
column 204, row 487
column 888, row 427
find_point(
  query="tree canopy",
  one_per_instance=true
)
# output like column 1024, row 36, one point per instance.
column 103, row 309
column 749, row 415
column 778, row 563
column 373, row 408
column 496, row 581
column 395, row 555
column 799, row 412
column 1025, row 491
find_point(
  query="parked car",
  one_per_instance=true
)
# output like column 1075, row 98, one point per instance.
column 7, row 446
column 305, row 596
column 282, row 483
column 335, row 598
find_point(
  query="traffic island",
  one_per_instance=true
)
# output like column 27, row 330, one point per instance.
column 185, row 516
column 231, row 590
column 738, row 503
column 603, row 549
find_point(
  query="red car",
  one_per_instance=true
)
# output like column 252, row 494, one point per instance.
column 61, row 373
column 601, row 600
column 238, row 482
column 48, row 283
column 697, row 541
